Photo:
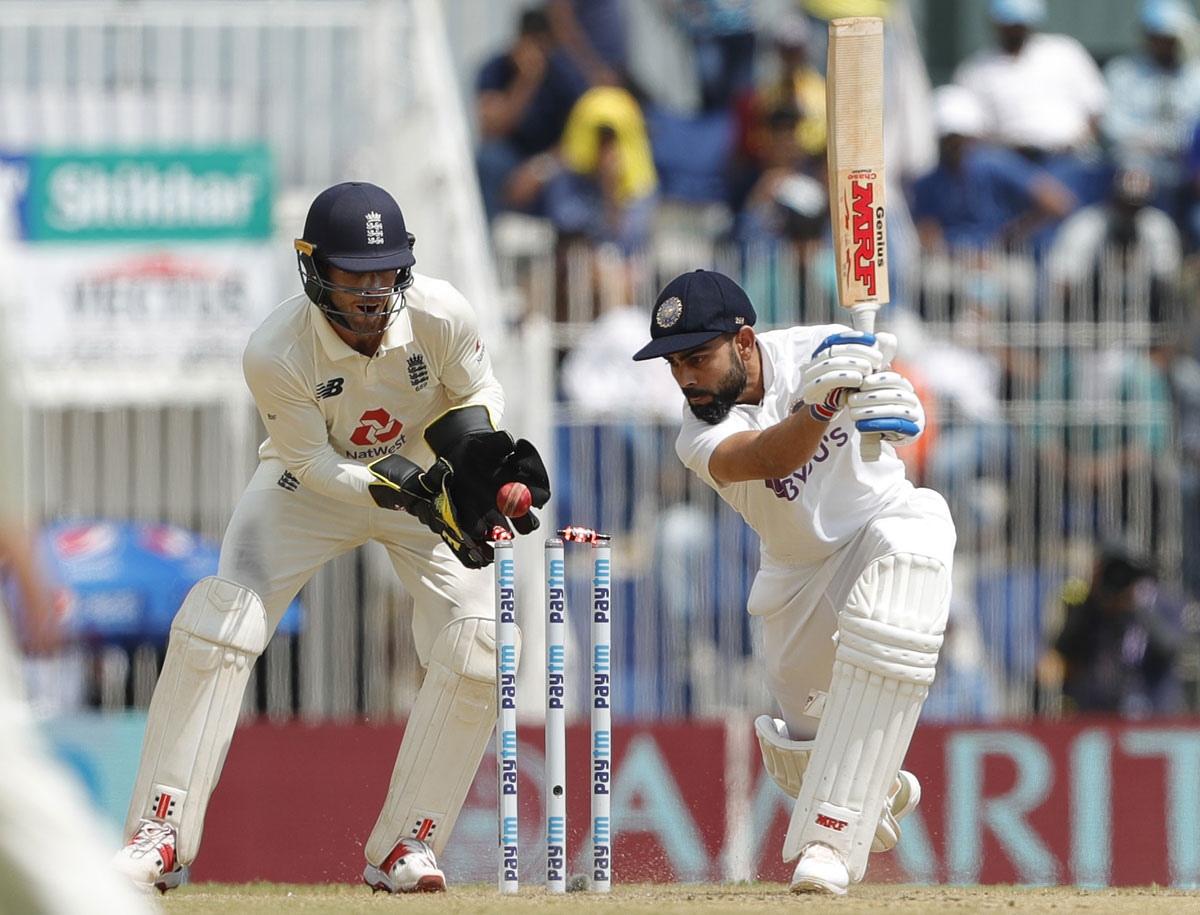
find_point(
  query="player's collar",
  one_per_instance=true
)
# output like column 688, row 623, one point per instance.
column 398, row 334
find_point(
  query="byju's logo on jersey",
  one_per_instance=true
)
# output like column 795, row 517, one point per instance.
column 330, row 388
column 418, row 371
column 374, row 228
column 376, row 427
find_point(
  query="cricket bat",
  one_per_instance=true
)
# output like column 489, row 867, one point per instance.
column 854, row 105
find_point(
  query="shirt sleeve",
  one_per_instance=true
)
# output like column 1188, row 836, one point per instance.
column 697, row 441
column 298, row 432
column 466, row 365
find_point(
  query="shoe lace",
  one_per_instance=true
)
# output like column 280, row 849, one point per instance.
column 151, row 834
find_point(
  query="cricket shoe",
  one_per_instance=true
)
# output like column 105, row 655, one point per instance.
column 149, row 857
column 820, row 870
column 901, row 801
column 410, row 868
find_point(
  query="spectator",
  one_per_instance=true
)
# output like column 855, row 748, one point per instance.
column 523, row 98
column 723, row 36
column 1043, row 95
column 981, row 205
column 593, row 33
column 980, row 196
column 781, row 199
column 606, row 191
column 1117, row 648
column 795, row 84
column 1118, row 260
column 1154, row 100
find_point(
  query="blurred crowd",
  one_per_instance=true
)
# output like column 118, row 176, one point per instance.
column 1039, row 188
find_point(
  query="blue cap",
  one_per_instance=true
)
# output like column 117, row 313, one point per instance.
column 358, row 227
column 1167, row 17
column 1017, row 12
column 694, row 308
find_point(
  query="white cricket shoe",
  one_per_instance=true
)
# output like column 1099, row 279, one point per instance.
column 901, row 801
column 820, row 870
column 149, row 857
column 410, row 868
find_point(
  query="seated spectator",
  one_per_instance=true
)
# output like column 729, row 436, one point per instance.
column 795, row 84
column 779, row 198
column 1118, row 260
column 1042, row 95
column 1154, row 100
column 978, row 208
column 980, row 195
column 523, row 98
column 605, row 192
column 1117, row 649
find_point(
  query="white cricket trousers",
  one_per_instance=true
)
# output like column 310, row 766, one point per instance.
column 55, row 850
column 800, row 607
column 281, row 533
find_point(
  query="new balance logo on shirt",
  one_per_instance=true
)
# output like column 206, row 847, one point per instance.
column 330, row 388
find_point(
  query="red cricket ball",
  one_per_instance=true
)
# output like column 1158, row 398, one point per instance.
column 514, row 499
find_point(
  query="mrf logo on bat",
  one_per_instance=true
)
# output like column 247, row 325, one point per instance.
column 866, row 252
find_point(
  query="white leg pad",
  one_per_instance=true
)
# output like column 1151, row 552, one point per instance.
column 444, row 740
column 217, row 635
column 888, row 641
column 786, row 761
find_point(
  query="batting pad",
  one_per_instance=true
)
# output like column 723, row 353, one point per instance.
column 889, row 636
column 444, row 740
column 217, row 635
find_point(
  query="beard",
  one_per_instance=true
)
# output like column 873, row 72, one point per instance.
column 724, row 396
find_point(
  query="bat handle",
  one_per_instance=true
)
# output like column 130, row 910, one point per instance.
column 870, row 444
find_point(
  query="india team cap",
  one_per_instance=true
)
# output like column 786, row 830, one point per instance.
column 358, row 227
column 694, row 308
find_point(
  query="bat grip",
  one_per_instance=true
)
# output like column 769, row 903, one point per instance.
column 870, row 444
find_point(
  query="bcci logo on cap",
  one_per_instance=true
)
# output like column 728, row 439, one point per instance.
column 669, row 312
column 374, row 228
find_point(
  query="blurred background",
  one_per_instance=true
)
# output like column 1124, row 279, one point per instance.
column 559, row 163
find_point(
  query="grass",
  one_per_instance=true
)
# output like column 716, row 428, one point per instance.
column 677, row 899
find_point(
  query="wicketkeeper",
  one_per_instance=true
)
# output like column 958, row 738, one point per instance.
column 381, row 407
column 854, row 580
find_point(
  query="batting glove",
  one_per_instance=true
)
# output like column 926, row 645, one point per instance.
column 886, row 403
column 839, row 366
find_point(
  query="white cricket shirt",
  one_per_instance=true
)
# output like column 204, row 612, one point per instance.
column 808, row 515
column 329, row 410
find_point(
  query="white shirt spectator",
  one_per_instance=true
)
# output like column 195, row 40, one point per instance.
column 1045, row 96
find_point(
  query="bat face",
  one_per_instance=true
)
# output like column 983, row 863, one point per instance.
column 854, row 88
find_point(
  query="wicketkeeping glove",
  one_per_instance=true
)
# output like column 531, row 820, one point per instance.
column 405, row 486
column 839, row 366
column 886, row 403
column 484, row 459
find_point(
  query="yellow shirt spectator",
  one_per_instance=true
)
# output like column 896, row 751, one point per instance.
column 613, row 108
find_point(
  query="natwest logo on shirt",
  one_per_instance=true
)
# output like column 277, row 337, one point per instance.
column 376, row 427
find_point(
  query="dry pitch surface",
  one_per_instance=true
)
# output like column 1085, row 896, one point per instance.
column 664, row 899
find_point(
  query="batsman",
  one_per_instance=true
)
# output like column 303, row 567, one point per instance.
column 853, row 586
column 380, row 405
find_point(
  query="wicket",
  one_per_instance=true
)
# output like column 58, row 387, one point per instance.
column 556, row 695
